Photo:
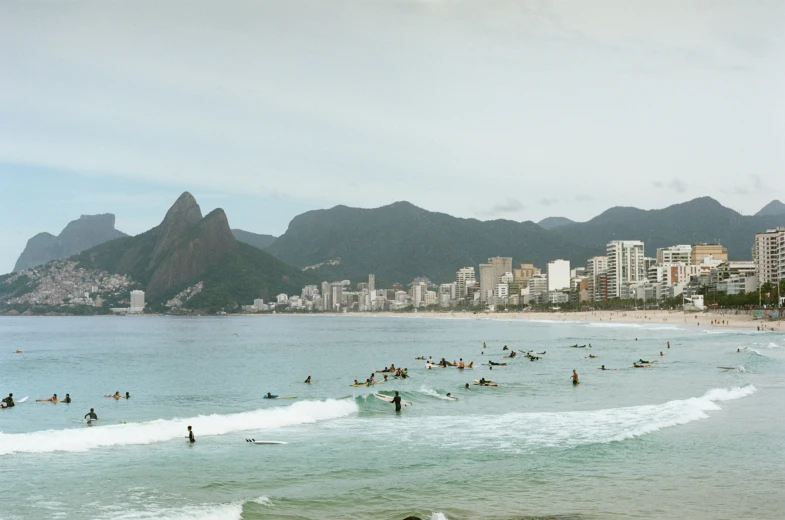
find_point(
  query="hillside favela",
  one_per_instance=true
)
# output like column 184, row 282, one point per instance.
column 392, row 260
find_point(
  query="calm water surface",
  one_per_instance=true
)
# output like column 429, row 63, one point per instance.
column 682, row 439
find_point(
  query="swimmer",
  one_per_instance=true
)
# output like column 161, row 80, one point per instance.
column 67, row 399
column 574, row 377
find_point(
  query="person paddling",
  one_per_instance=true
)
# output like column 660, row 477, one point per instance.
column 91, row 416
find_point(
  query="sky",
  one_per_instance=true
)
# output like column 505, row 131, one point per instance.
column 483, row 109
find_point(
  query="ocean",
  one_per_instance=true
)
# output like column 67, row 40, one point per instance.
column 681, row 439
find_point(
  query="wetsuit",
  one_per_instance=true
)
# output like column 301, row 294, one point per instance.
column 397, row 402
column 67, row 400
column 92, row 416
column 9, row 401
column 191, row 436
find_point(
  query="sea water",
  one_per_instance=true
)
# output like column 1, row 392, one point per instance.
column 682, row 439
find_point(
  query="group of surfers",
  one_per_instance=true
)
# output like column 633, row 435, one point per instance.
column 402, row 373
column 67, row 399
column 443, row 363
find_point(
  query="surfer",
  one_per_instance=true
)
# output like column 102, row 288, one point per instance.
column 91, row 416
column 669, row 344
column 67, row 399
column 356, row 383
column 575, row 377
column 505, row 348
column 308, row 380
column 466, row 386
column 397, row 402
column 661, row 354
column 9, row 401
column 385, row 377
column 127, row 395
column 190, row 435
column 543, row 352
column 52, row 399
column 603, row 367
column 18, row 352
column 270, row 396
column 644, row 362
column 592, row 356
column 460, row 364
column 116, row 395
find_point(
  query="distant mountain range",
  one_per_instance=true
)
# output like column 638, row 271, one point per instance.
column 187, row 248
column 397, row 243
column 78, row 235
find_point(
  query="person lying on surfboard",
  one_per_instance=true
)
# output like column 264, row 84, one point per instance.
column 52, row 399
column 116, row 395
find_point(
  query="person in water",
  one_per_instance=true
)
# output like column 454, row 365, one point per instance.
column 308, row 379
column 52, row 399
column 128, row 395
column 513, row 353
column 67, row 399
column 466, row 386
column 190, row 435
column 271, row 396
column 356, row 383
column 505, row 348
column 449, row 394
column 91, row 416
column 116, row 395
column 385, row 377
column 460, row 364
column 575, row 377
column 397, row 402
column 603, row 367
column 9, row 401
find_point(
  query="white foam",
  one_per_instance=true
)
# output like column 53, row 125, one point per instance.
column 438, row 516
column 84, row 439
column 526, row 432
column 433, row 393
column 206, row 512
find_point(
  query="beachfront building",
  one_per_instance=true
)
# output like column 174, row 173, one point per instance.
column 558, row 275
column 625, row 265
column 768, row 254
column 431, row 298
column 538, row 288
column 487, row 282
column 137, row 302
column 464, row 278
column 597, row 273
column 524, row 273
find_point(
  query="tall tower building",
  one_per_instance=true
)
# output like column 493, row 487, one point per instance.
column 625, row 265
column 371, row 283
column 768, row 253
column 464, row 278
column 487, row 282
column 137, row 301
column 558, row 275
column 597, row 271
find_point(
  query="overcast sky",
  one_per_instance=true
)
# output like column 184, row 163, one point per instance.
column 487, row 109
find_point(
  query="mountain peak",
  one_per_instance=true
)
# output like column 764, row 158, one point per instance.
column 774, row 207
column 554, row 222
column 185, row 209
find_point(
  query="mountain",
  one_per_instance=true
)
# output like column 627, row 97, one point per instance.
column 187, row 248
column 774, row 207
column 78, row 235
column 699, row 220
column 554, row 222
column 254, row 239
column 401, row 241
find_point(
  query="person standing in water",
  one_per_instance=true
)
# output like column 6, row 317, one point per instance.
column 190, row 435
column 575, row 377
column 397, row 402
column 91, row 416
column 308, row 379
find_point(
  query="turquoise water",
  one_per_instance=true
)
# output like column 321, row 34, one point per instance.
column 682, row 439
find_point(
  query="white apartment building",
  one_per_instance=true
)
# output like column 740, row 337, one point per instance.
column 502, row 290
column 596, row 272
column 768, row 253
column 558, row 275
column 625, row 265
column 431, row 298
column 538, row 288
column 137, row 302
column 282, row 298
column 464, row 278
column 674, row 254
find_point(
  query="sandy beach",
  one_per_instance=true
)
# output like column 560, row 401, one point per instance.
column 701, row 320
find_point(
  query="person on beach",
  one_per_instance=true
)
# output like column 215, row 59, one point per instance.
column 67, row 399
column 52, row 399
column 9, row 401
column 190, row 435
column 397, row 402
column 575, row 377
column 91, row 416
column 308, row 380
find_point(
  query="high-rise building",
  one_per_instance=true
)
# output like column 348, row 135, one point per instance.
column 625, row 265
column 538, row 288
column 327, row 297
column 464, row 278
column 525, row 272
column 558, row 275
column 501, row 265
column 371, row 283
column 487, row 282
column 336, row 298
column 675, row 254
column 699, row 251
column 597, row 271
column 768, row 253
column 137, row 301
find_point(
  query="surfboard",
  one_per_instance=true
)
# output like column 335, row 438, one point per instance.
column 280, row 397
column 389, row 399
column 254, row 441
column 477, row 383
column 727, row 368
column 22, row 400
column 451, row 397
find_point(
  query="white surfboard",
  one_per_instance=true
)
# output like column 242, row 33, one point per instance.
column 389, row 399
column 254, row 441
column 22, row 400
